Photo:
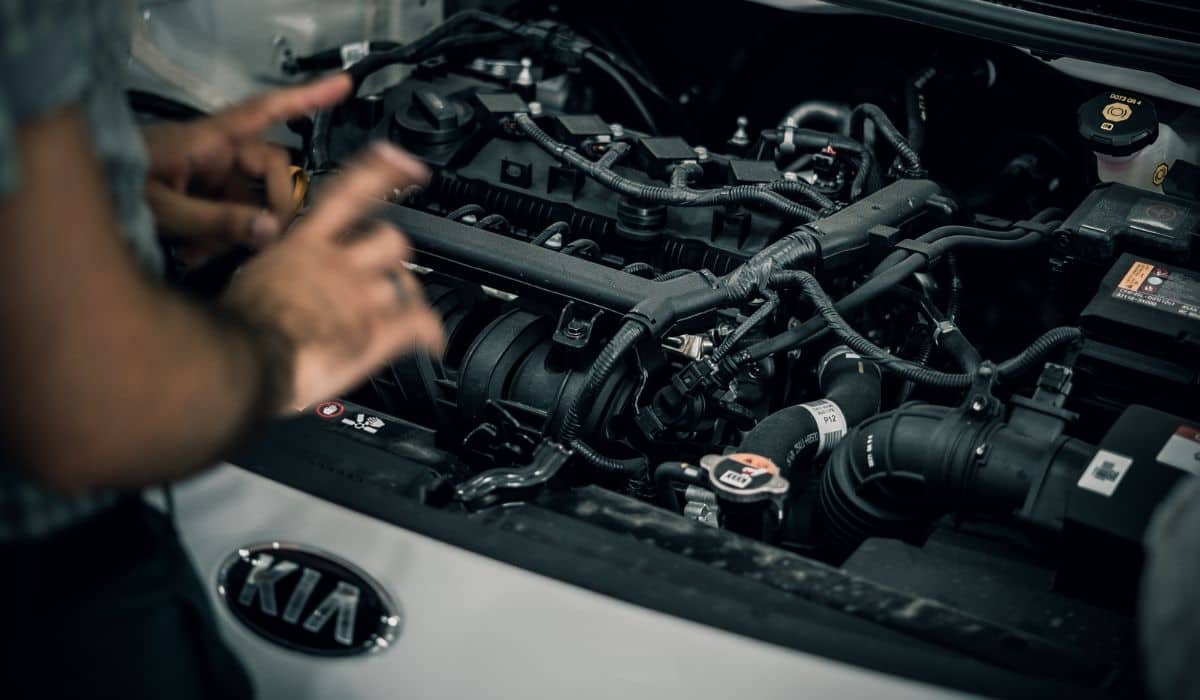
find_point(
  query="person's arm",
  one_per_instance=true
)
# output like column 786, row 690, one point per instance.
column 109, row 380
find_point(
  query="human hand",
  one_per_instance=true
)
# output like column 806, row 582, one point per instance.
column 344, row 300
column 214, row 183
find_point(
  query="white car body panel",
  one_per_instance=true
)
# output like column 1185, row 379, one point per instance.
column 476, row 627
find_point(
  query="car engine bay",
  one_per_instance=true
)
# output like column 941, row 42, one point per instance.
column 909, row 329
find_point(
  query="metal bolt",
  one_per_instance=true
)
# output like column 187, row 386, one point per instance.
column 701, row 152
column 574, row 329
column 981, row 450
column 535, row 109
column 740, row 136
column 617, row 130
column 977, row 405
column 525, row 77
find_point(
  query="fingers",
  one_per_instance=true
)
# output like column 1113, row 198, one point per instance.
column 253, row 116
column 360, row 189
column 183, row 217
column 274, row 167
column 417, row 329
column 383, row 249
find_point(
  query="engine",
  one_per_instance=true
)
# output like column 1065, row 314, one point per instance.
column 878, row 332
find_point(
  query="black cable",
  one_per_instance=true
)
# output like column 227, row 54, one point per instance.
column 914, row 102
column 608, row 359
column 812, row 140
column 633, row 467
column 673, row 275
column 665, row 476
column 906, row 153
column 581, row 247
column 954, row 294
column 442, row 38
column 900, row 264
column 671, row 196
column 622, row 342
column 493, row 222
column 1026, row 360
column 558, row 227
column 639, row 268
column 760, row 314
column 923, row 355
column 599, row 62
column 803, row 189
column 329, row 59
column 465, row 210
column 634, row 73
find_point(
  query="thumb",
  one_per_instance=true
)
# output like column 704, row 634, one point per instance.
column 182, row 216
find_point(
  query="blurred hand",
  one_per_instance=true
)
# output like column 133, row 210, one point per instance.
column 215, row 183
column 346, row 301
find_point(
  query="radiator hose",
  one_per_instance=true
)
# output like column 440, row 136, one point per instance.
column 797, row 435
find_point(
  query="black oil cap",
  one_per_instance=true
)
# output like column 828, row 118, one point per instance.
column 1118, row 123
column 431, row 119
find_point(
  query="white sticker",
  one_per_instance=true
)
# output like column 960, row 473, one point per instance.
column 737, row 480
column 365, row 423
column 355, row 52
column 1182, row 450
column 831, row 423
column 1104, row 472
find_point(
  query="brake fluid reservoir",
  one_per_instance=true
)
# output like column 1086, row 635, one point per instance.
column 1132, row 147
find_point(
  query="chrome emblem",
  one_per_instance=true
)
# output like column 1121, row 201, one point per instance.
column 307, row 600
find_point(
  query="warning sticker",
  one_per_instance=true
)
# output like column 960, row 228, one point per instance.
column 1158, row 287
column 1182, row 450
column 330, row 409
column 366, row 423
column 1136, row 275
column 1104, row 472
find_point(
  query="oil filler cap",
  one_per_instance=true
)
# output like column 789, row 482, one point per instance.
column 432, row 118
column 1118, row 123
column 744, row 477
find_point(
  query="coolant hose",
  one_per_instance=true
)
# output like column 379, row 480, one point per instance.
column 797, row 435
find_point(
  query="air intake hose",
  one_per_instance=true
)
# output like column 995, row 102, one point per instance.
column 897, row 471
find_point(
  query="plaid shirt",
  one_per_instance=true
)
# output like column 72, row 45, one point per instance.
column 54, row 53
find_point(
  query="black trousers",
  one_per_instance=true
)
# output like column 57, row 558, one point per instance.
column 112, row 608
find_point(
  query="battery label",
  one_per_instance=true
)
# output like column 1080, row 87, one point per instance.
column 1158, row 287
column 1182, row 450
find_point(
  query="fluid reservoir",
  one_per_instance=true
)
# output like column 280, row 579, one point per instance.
column 1132, row 146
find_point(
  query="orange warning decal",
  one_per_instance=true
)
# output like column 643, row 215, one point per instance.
column 1136, row 276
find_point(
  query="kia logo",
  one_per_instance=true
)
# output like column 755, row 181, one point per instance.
column 307, row 600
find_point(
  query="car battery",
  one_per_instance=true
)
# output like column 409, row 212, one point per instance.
column 1115, row 219
column 1142, row 331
